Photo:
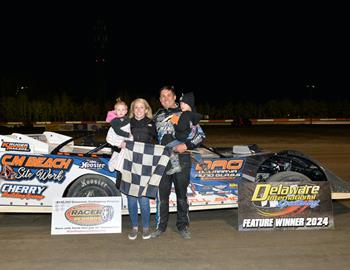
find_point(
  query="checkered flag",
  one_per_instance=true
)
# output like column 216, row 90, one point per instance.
column 143, row 167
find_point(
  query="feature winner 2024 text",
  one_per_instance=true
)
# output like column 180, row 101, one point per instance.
column 285, row 222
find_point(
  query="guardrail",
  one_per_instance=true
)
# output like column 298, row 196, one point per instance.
column 96, row 125
column 309, row 121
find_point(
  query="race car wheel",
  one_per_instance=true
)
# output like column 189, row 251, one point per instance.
column 288, row 176
column 92, row 185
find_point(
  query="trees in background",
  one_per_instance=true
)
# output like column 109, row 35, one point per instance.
column 63, row 108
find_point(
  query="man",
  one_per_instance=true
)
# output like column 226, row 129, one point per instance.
column 165, row 119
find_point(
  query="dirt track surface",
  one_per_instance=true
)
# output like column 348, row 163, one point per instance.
column 26, row 243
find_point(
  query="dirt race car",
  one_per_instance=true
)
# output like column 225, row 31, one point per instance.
column 35, row 169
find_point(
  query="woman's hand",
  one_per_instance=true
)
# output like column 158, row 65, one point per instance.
column 123, row 144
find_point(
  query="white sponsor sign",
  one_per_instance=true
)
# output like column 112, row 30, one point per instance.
column 87, row 215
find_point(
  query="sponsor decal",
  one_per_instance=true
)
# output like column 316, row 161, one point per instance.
column 89, row 214
column 87, row 182
column 23, row 191
column 26, row 167
column 92, row 165
column 15, row 146
column 205, row 201
column 219, row 169
column 36, row 162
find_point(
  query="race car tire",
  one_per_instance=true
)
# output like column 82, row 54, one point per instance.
column 92, row 185
column 288, row 176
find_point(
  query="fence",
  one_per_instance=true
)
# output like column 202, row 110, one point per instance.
column 98, row 125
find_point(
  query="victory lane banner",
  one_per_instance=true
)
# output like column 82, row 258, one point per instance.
column 86, row 215
column 293, row 205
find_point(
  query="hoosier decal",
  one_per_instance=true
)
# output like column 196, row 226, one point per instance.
column 92, row 165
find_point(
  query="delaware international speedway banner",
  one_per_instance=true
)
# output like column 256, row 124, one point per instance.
column 284, row 206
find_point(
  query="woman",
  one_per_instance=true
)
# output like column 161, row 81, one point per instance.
column 143, row 130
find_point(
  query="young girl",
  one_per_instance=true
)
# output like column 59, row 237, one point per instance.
column 143, row 130
column 119, row 130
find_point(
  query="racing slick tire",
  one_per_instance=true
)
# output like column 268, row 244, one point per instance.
column 92, row 185
column 288, row 176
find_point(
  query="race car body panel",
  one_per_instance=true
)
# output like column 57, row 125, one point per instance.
column 36, row 169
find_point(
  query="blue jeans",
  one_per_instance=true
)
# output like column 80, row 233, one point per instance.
column 133, row 211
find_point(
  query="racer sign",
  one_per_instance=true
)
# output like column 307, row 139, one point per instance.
column 284, row 205
column 90, row 215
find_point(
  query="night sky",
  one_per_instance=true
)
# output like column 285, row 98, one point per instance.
column 234, row 52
